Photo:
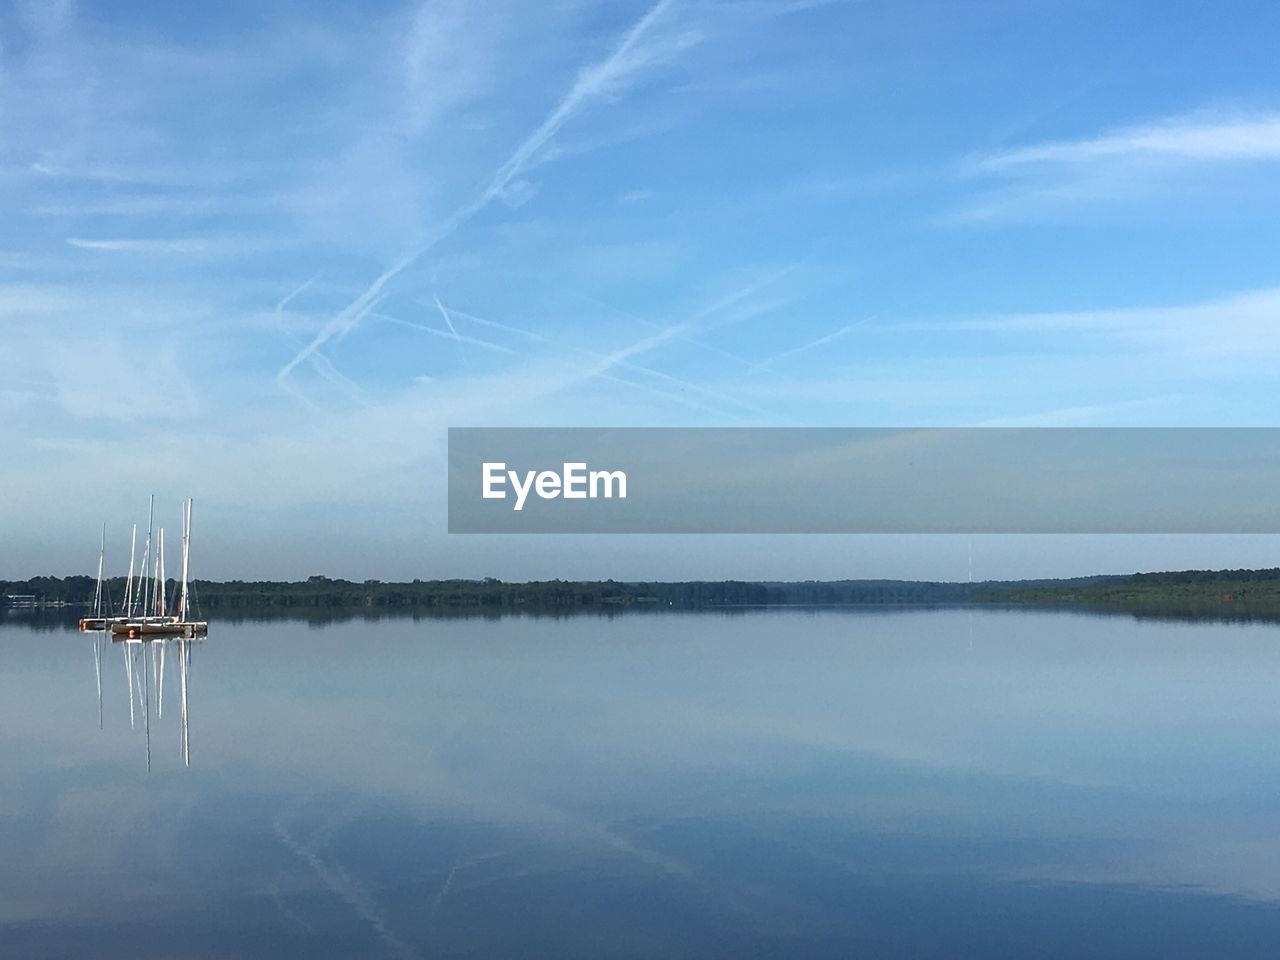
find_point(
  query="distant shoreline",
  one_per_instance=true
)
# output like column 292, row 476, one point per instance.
column 1192, row 592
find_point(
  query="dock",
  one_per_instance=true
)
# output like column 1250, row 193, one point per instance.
column 159, row 627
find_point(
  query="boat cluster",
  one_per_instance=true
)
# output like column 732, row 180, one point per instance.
column 146, row 610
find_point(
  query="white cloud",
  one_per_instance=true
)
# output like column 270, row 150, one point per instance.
column 1184, row 156
column 141, row 245
column 449, row 54
column 1193, row 138
column 1244, row 324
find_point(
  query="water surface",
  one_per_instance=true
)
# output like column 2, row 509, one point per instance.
column 936, row 783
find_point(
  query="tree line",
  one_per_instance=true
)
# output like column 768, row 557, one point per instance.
column 320, row 592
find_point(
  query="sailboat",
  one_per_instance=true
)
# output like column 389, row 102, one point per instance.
column 155, row 620
column 98, row 621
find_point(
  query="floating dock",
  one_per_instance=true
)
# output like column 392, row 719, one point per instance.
column 99, row 623
column 157, row 627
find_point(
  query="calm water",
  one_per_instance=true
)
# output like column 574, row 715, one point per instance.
column 771, row 784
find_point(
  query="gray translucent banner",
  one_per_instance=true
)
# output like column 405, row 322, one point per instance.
column 855, row 480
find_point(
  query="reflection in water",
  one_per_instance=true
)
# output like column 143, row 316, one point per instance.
column 815, row 784
column 145, row 670
column 98, row 637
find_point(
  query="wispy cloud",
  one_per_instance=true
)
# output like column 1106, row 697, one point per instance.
column 1131, row 164
column 1192, row 138
column 769, row 9
column 440, row 73
column 193, row 246
column 1244, row 324
column 1100, row 414
column 138, row 173
column 596, row 80
column 168, row 205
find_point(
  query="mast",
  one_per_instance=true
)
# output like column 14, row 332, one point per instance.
column 128, row 584
column 159, row 592
column 186, row 559
column 97, row 593
column 146, row 557
column 152, row 575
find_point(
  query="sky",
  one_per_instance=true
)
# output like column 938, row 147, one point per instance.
column 265, row 254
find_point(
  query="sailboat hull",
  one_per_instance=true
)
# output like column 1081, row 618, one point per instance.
column 160, row 628
column 100, row 623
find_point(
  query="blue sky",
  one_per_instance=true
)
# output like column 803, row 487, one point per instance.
column 324, row 233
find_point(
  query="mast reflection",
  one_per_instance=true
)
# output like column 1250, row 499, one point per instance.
column 148, row 660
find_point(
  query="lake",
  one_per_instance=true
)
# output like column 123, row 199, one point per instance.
column 774, row 783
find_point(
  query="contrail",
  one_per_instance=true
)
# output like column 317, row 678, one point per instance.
column 592, row 81
column 445, row 313
column 287, row 913
column 462, row 354
column 331, row 373
column 451, row 335
column 623, row 364
column 495, row 325
column 622, row 357
column 700, row 344
column 289, row 297
column 323, row 365
column 609, row 362
column 444, row 890
column 349, row 891
column 679, row 331
column 342, row 323
column 820, row 342
column 676, row 382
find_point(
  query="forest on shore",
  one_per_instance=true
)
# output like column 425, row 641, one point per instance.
column 1172, row 592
